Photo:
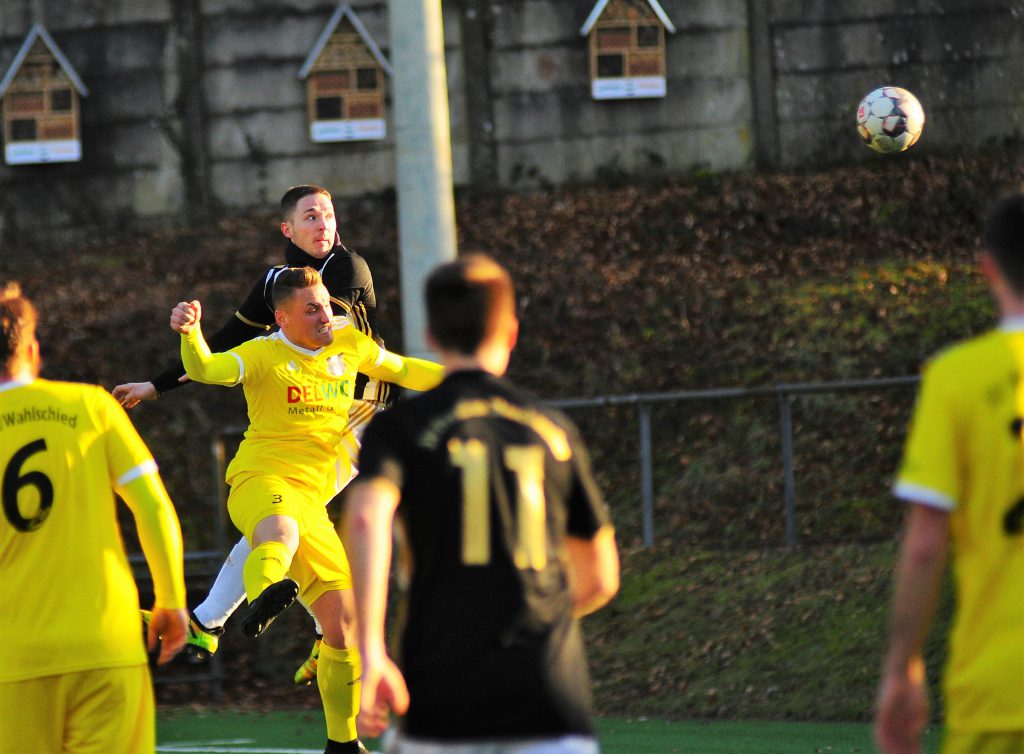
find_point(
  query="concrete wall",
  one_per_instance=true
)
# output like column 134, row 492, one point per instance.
column 549, row 130
column 195, row 105
column 963, row 59
column 124, row 51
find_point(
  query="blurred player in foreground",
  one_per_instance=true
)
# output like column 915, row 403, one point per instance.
column 509, row 538
column 299, row 384
column 73, row 672
column 310, row 225
column 963, row 474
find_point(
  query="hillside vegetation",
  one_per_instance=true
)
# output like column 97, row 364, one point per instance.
column 704, row 281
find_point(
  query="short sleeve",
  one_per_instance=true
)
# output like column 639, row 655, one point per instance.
column 929, row 472
column 381, row 456
column 250, row 356
column 587, row 509
column 127, row 455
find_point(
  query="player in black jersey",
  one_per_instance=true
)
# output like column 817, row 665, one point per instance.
column 509, row 539
column 309, row 223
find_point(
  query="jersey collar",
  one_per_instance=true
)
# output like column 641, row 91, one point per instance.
column 15, row 383
column 1012, row 324
column 295, row 347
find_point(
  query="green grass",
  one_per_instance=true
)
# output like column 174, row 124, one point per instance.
column 199, row 731
column 770, row 635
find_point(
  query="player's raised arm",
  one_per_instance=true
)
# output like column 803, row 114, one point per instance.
column 252, row 318
column 201, row 364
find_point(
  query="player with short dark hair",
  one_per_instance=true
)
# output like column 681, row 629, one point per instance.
column 509, row 539
column 309, row 222
column 73, row 672
column 963, row 475
column 299, row 384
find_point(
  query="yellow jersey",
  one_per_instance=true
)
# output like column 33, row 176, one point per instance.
column 68, row 600
column 298, row 399
column 965, row 455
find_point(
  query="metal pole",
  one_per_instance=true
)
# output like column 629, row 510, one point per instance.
column 786, row 433
column 646, row 474
column 423, row 156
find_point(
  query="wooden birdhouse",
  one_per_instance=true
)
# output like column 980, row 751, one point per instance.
column 627, row 48
column 344, row 75
column 40, row 96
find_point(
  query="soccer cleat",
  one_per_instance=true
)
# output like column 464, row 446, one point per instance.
column 306, row 673
column 202, row 641
column 271, row 603
column 354, row 746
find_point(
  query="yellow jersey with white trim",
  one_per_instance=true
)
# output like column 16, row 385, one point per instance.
column 298, row 400
column 68, row 601
column 965, row 455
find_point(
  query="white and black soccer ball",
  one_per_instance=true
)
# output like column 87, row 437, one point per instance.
column 890, row 119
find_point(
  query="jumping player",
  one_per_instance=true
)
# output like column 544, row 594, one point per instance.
column 299, row 385
column 309, row 224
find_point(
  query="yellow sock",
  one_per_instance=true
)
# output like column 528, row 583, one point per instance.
column 338, row 676
column 267, row 564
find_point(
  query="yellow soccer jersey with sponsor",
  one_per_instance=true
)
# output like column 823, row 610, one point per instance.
column 298, row 402
column 965, row 454
column 68, row 600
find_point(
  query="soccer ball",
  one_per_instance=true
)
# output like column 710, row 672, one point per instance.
column 890, row 119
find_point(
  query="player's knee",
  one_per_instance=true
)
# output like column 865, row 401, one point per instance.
column 283, row 529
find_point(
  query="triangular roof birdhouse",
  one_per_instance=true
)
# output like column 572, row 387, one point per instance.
column 627, row 48
column 344, row 76
column 40, row 95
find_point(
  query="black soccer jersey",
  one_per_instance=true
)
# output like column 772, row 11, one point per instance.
column 491, row 482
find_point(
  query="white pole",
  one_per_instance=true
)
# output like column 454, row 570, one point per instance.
column 423, row 156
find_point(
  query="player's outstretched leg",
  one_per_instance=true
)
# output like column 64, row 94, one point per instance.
column 271, row 602
column 227, row 591
column 265, row 573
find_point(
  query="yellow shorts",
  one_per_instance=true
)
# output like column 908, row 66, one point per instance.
column 996, row 742
column 320, row 564
column 89, row 712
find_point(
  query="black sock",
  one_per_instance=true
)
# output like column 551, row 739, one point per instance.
column 336, row 747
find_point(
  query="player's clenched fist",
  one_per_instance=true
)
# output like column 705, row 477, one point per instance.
column 185, row 316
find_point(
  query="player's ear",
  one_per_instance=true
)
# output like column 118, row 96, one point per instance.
column 286, row 230
column 32, row 354
column 280, row 317
column 990, row 269
column 430, row 340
